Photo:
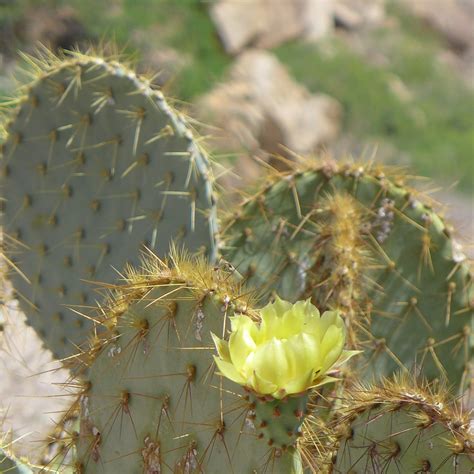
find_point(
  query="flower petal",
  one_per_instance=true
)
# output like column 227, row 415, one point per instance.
column 269, row 323
column 288, row 351
column 228, row 370
column 271, row 316
column 307, row 350
column 345, row 356
column 271, row 363
column 300, row 384
column 331, row 347
column 240, row 321
column 292, row 322
column 313, row 326
column 241, row 344
column 328, row 319
column 308, row 309
column 260, row 385
column 281, row 306
column 222, row 347
column 323, row 381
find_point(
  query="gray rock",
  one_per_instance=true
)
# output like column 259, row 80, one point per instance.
column 354, row 14
column 268, row 23
column 262, row 107
column 317, row 17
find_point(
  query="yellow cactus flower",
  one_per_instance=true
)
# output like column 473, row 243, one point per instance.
column 289, row 351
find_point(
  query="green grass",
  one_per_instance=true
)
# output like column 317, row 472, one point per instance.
column 435, row 129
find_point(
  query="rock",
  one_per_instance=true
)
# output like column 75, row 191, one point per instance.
column 262, row 107
column 236, row 119
column 467, row 68
column 454, row 20
column 305, row 121
column 261, row 23
column 461, row 64
column 233, row 124
column 280, row 22
column 236, row 23
column 459, row 212
column 165, row 62
column 354, row 14
column 318, row 18
column 268, row 23
column 346, row 17
column 57, row 28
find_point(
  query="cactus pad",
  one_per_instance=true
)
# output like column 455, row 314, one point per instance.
column 153, row 401
column 96, row 165
column 401, row 428
column 279, row 421
column 355, row 239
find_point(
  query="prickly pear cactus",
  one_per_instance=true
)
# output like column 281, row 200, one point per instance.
column 96, row 165
column 152, row 401
column 355, row 239
column 398, row 427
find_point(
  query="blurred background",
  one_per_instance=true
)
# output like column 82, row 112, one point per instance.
column 394, row 78
column 389, row 80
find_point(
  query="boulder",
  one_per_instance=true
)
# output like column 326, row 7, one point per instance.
column 261, row 107
column 354, row 14
column 233, row 116
column 268, row 23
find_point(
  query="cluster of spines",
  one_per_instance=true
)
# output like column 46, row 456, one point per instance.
column 59, row 450
column 425, row 406
column 337, row 273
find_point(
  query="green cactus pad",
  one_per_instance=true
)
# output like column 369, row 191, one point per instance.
column 95, row 166
column 279, row 421
column 153, row 401
column 399, row 429
column 353, row 238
